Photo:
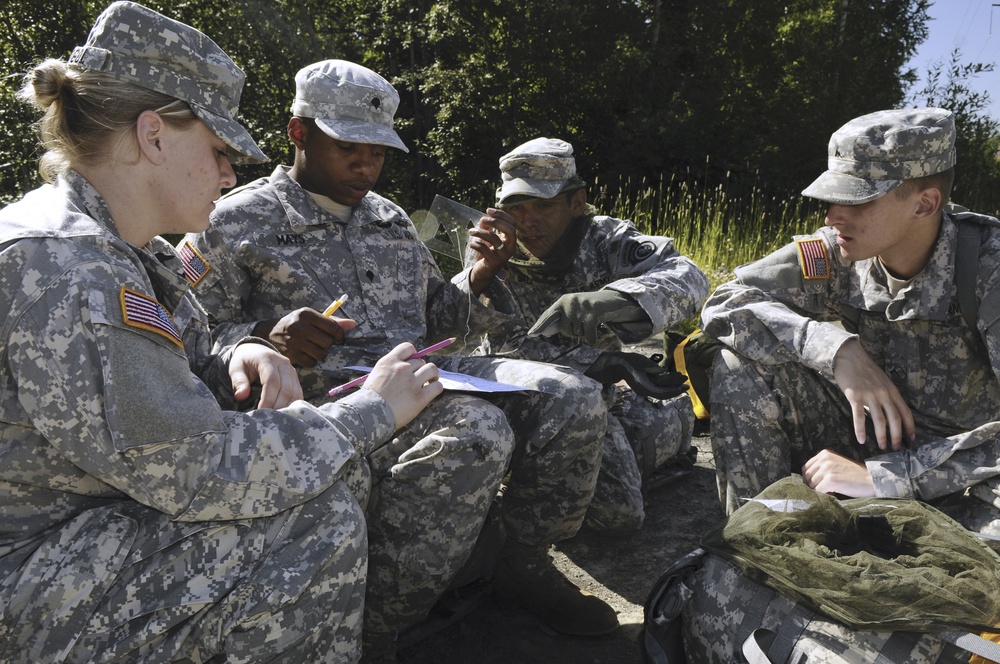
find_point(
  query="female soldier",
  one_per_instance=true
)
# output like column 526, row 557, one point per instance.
column 139, row 521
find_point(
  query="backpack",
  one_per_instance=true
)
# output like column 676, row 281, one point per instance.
column 801, row 577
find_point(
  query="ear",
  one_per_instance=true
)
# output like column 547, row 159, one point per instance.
column 929, row 202
column 578, row 202
column 149, row 134
column 298, row 131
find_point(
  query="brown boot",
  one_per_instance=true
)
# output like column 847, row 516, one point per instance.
column 527, row 576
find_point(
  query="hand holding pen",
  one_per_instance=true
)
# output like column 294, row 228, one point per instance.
column 418, row 354
column 406, row 386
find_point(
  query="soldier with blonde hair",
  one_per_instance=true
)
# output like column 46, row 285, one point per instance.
column 142, row 522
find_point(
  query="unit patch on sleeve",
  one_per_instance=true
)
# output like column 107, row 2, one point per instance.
column 813, row 258
column 195, row 265
column 144, row 312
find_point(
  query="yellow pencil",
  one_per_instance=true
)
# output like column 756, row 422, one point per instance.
column 335, row 305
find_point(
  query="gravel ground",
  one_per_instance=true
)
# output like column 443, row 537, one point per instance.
column 620, row 571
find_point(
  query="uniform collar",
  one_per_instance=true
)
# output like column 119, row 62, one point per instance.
column 71, row 207
column 302, row 212
column 927, row 297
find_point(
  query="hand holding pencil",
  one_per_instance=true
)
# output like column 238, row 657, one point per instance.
column 336, row 304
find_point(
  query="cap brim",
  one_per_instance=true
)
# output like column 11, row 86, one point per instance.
column 529, row 187
column 843, row 189
column 359, row 131
column 244, row 149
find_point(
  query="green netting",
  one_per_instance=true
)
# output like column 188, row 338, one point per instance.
column 870, row 563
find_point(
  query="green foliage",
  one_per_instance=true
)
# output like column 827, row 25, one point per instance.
column 36, row 29
column 719, row 227
column 645, row 89
column 978, row 170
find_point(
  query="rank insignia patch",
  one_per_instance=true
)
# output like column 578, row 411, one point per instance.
column 146, row 313
column 813, row 258
column 195, row 265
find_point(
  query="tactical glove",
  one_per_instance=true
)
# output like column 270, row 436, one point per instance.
column 580, row 315
column 641, row 373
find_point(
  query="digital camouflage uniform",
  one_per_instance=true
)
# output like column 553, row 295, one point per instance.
column 778, row 404
column 271, row 250
column 643, row 434
column 141, row 521
column 776, row 414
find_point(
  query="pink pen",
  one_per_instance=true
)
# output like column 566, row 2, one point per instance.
column 420, row 353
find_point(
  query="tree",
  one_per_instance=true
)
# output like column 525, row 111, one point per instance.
column 978, row 140
column 642, row 88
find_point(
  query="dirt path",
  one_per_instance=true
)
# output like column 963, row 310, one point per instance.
column 621, row 571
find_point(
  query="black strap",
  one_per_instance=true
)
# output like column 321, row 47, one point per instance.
column 897, row 648
column 966, row 269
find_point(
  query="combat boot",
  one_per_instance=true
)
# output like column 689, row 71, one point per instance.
column 527, row 576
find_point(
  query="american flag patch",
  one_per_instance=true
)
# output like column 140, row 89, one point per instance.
column 146, row 313
column 195, row 265
column 812, row 255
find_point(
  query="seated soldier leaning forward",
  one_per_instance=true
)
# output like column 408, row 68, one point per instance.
column 434, row 483
column 579, row 285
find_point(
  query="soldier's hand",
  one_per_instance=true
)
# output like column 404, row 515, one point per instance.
column 580, row 315
column 254, row 362
column 304, row 335
column 828, row 472
column 492, row 242
column 406, row 385
column 870, row 392
column 641, row 373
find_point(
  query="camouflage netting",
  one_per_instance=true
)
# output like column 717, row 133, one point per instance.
column 869, row 563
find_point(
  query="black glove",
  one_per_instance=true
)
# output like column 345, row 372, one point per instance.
column 641, row 373
column 580, row 315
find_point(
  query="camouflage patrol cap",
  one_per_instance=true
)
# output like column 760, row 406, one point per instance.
column 349, row 102
column 541, row 168
column 137, row 45
column 872, row 155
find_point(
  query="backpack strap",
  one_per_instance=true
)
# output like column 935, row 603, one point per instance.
column 966, row 270
column 974, row 643
column 762, row 645
column 897, row 648
column 661, row 640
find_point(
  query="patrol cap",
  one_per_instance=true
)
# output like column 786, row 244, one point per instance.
column 137, row 45
column 872, row 155
column 349, row 102
column 541, row 168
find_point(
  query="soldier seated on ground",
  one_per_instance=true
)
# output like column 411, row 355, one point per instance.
column 580, row 285
column 280, row 249
column 861, row 356
column 141, row 520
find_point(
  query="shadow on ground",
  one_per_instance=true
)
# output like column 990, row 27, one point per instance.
column 620, row 571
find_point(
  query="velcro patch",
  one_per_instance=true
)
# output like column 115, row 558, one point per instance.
column 195, row 265
column 144, row 312
column 813, row 258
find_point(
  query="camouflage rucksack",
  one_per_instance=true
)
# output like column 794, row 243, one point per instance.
column 797, row 576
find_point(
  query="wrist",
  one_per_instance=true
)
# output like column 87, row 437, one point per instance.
column 263, row 329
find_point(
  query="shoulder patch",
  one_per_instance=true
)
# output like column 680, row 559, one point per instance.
column 813, row 258
column 144, row 312
column 195, row 265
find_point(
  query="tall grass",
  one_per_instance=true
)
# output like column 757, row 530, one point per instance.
column 719, row 227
